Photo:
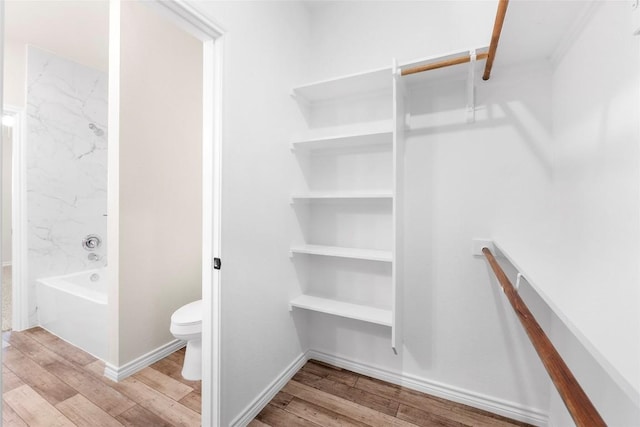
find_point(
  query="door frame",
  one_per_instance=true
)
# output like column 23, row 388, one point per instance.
column 211, row 35
column 19, row 288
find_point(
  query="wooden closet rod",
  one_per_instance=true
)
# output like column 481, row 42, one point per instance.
column 580, row 407
column 441, row 64
column 495, row 37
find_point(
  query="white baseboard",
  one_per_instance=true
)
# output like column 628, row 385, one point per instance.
column 118, row 373
column 497, row 406
column 254, row 408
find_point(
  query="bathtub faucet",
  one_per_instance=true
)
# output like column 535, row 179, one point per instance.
column 94, row 257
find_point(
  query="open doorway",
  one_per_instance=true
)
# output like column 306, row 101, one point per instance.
column 165, row 97
column 208, row 238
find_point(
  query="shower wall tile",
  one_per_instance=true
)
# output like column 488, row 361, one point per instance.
column 66, row 166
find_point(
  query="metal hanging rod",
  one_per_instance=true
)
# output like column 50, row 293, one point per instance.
column 582, row 411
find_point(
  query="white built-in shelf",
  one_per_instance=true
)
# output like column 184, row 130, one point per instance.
column 341, row 195
column 348, row 139
column 335, row 251
column 343, row 309
column 351, row 85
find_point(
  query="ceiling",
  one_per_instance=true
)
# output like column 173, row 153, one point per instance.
column 538, row 29
column 74, row 29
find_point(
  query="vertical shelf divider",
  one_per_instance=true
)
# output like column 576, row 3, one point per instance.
column 397, row 276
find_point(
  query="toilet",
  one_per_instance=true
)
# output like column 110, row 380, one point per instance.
column 186, row 324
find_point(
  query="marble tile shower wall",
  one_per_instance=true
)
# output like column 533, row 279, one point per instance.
column 66, row 149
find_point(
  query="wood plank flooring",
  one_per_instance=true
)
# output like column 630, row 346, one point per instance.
column 323, row 395
column 48, row 382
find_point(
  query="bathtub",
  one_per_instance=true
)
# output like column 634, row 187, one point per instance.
column 74, row 307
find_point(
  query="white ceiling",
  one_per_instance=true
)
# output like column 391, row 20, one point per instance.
column 537, row 29
column 74, row 29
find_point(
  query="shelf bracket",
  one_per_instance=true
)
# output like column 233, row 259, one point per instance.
column 471, row 101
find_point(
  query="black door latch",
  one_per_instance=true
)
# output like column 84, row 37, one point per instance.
column 217, row 263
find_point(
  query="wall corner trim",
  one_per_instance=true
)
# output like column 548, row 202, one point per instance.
column 508, row 409
column 119, row 373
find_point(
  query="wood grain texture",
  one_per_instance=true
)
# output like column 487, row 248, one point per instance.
column 33, row 409
column 10, row 418
column 319, row 415
column 341, row 406
column 83, row 413
column 321, row 394
column 10, row 380
column 192, row 401
column 364, row 398
column 138, row 416
column 172, row 369
column 46, row 378
column 61, row 347
column 442, row 64
column 575, row 399
column 273, row 416
column 495, row 37
column 158, row 403
column 44, row 383
column 164, row 384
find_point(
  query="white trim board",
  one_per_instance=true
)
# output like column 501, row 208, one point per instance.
column 118, row 373
column 20, row 290
column 511, row 410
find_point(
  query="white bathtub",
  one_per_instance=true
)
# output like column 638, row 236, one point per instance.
column 74, row 307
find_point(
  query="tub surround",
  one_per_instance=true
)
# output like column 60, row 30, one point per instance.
column 66, row 171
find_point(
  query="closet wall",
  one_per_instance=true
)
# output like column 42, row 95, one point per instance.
column 265, row 46
column 594, row 222
column 548, row 166
column 461, row 181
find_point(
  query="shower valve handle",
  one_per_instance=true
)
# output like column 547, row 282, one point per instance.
column 91, row 242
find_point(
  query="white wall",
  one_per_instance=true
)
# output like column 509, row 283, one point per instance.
column 374, row 32
column 564, row 186
column 15, row 66
column 264, row 48
column 596, row 205
column 160, row 178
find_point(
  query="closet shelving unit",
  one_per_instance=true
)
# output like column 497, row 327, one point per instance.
column 382, row 128
column 365, row 129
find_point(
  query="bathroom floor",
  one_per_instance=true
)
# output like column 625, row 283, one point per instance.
column 323, row 395
column 47, row 381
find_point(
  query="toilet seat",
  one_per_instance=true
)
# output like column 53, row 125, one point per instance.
column 187, row 320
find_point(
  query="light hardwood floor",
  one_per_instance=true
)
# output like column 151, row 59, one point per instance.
column 48, row 382
column 322, row 395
